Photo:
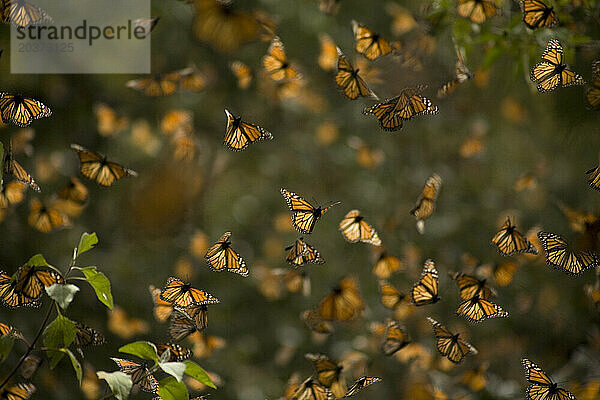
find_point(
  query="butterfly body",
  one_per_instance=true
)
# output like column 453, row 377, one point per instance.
column 221, row 257
column 305, row 214
column 542, row 387
column 510, row 241
column 239, row 134
column 559, row 255
column 551, row 72
column 425, row 291
column 536, row 14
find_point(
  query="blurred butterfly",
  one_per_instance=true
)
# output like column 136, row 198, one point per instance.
column 392, row 112
column 510, row 241
column 366, row 156
column 162, row 309
column 354, row 228
column 395, row 338
column 305, row 214
column 30, row 366
column 22, row 14
column 470, row 286
column 449, row 344
column 426, row 203
column 109, row 122
column 477, row 10
column 301, row 253
column 21, row 141
column 328, row 373
column 12, row 298
column 461, row 75
column 147, row 25
column 192, row 79
column 218, row 24
column 328, row 57
column 243, row 73
column 311, row 389
column 205, row 345
column 476, row 309
column 277, row 64
column 329, row 7
column 12, row 167
column 343, row 303
column 71, row 198
column 32, row 280
column 182, row 324
column 592, row 95
column 369, row 43
column 475, row 378
column 124, row 325
column 425, row 291
column 295, row 281
column 551, row 72
column 403, row 19
column 239, row 134
column 44, row 218
column 560, row 256
column 348, row 80
column 12, row 193
column 317, row 324
column 536, row 14
column 139, row 374
column 593, row 292
column 360, row 384
column 221, row 257
column 178, row 353
column 504, row 273
column 589, row 390
column 161, row 84
column 177, row 121
column 390, row 296
column 185, row 147
column 386, row 265
column 97, row 168
column 183, row 295
column 541, row 385
column 19, row 391
column 86, row 336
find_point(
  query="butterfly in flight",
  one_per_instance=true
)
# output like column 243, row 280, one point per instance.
column 12, row 167
column 183, row 295
column 32, row 280
column 19, row 391
column 510, row 241
column 184, row 322
column 243, row 73
column 470, row 286
column 277, row 64
column 305, row 214
column 328, row 373
column 22, row 14
column 177, row 352
column 239, row 134
column 348, row 80
column 386, row 265
column 536, row 14
column 369, row 43
column 450, row 344
column 592, row 95
column 560, row 255
column 425, row 291
column 11, row 297
column 461, row 75
column 477, row 10
column 426, row 202
column 328, row 57
column 541, row 386
column 551, row 72
column 315, row 323
column 343, row 303
column 221, row 257
column 476, row 309
column 311, row 389
column 360, row 384
column 354, row 228
column 139, row 374
column 97, row 168
column 395, row 338
column 147, row 25
column 157, row 85
column 86, row 336
column 21, row 110
column 301, row 253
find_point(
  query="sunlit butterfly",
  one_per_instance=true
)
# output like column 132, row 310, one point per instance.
column 317, row 324
column 277, row 64
column 205, row 345
column 594, row 177
column 5, row 329
column 386, row 265
column 475, row 378
column 243, row 73
column 32, row 280
column 426, row 202
column 510, row 241
column 425, row 291
column 470, row 286
column 86, row 336
column 536, row 14
column 348, row 80
column 183, row 295
column 560, row 255
column 162, row 309
column 328, row 373
column 239, row 134
column 394, row 339
column 354, row 228
column 147, row 25
column 301, row 253
column 97, row 168
column 592, row 95
column 295, row 280
column 311, row 389
column 221, row 257
column 22, row 14
column 343, row 303
column 328, row 57
column 476, row 309
column 12, row 167
column 71, row 198
column 360, row 384
column 461, row 75
column 551, row 72
column 477, row 10
column 139, row 374
column 192, row 79
column 124, row 325
column 109, row 122
column 369, row 43
column 391, row 297
column 450, row 344
column 541, row 386
column 10, row 296
column 305, row 214
column 181, row 324
column 45, row 218
column 12, row 193
column 177, row 352
column 21, row 110
column 161, row 84
column 19, row 391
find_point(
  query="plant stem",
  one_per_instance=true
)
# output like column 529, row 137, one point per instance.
column 29, row 348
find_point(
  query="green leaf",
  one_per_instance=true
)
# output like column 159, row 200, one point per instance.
column 87, row 242
column 63, row 294
column 119, row 383
column 101, row 285
column 6, row 344
column 142, row 349
column 175, row 369
column 59, row 334
column 198, row 373
column 171, row 389
column 75, row 363
column 37, row 261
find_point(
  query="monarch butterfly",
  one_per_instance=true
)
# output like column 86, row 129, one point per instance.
column 32, row 280
column 21, row 110
column 425, row 291
column 594, row 177
column 510, row 241
column 475, row 378
column 328, row 57
column 178, row 353
column 450, row 344
column 305, row 214
column 328, row 371
column 386, row 265
column 44, row 218
column 461, row 75
column 191, row 79
column 476, row 309
column 560, row 256
column 98, row 169
column 147, row 25
column 183, row 324
column 277, row 64
column 86, row 336
column 470, row 286
column 5, row 329
column 426, row 202
column 139, row 374
column 183, row 295
column 75, row 192
column 504, row 273
column 30, row 365
column 390, row 296
column 109, row 122
column 536, row 14
column 12, row 167
column 541, row 385
column 343, row 303
column 157, row 85
column 11, row 193
column 162, row 309
column 354, row 228
column 12, row 298
column 360, row 384
column 243, row 73
column 301, row 253
column 395, row 338
column 316, row 324
column 22, row 14
column 125, row 326
column 477, row 10
column 369, row 43
column 311, row 389
column 347, row 79
column 239, row 134
column 19, row 391
column 205, row 345
column 592, row 95
column 221, row 257
column 551, row 72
